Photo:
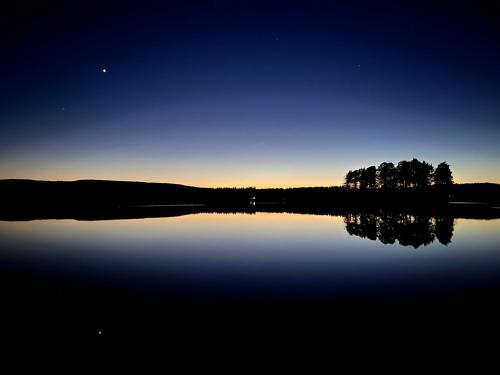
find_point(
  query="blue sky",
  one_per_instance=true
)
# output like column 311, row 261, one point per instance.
column 248, row 93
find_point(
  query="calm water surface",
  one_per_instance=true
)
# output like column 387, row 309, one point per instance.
column 248, row 257
column 272, row 250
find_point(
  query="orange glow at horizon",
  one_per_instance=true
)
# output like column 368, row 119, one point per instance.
column 265, row 179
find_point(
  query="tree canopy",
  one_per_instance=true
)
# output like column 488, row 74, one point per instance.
column 405, row 174
column 443, row 175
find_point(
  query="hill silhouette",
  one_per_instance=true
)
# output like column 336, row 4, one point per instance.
column 104, row 193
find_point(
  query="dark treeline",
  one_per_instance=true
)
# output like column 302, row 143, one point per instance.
column 338, row 196
column 479, row 192
column 405, row 174
column 407, row 229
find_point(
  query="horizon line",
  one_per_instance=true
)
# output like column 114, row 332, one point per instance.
column 293, row 186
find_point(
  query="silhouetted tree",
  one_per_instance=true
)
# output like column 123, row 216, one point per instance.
column 406, row 174
column 442, row 174
column 352, row 179
column 386, row 175
column 422, row 173
column 362, row 178
column 368, row 178
column 414, row 167
column 403, row 173
column 348, row 179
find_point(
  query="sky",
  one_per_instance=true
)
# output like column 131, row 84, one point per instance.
column 247, row 93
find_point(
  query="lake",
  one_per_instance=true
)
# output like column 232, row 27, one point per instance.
column 89, row 275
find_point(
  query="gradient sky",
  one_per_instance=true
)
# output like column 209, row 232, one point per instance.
column 247, row 93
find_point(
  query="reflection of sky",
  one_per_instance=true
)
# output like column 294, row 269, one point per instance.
column 282, row 250
column 283, row 95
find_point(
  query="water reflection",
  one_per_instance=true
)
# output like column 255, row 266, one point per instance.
column 167, row 265
column 407, row 229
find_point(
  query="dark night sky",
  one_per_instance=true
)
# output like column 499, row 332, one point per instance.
column 243, row 93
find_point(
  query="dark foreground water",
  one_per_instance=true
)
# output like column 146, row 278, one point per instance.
column 240, row 270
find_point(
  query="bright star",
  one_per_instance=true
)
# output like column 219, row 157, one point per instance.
column 104, row 70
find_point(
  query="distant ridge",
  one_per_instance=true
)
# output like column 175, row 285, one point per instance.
column 25, row 180
column 109, row 193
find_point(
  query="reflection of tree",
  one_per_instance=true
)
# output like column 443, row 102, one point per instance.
column 362, row 226
column 387, row 231
column 415, row 231
column 444, row 229
column 408, row 230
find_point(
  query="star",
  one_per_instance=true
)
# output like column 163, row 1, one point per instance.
column 104, row 70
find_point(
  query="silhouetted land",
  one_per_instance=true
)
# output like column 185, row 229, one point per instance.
column 101, row 193
column 109, row 197
column 94, row 199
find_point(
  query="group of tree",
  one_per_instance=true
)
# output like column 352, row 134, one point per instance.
column 405, row 174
